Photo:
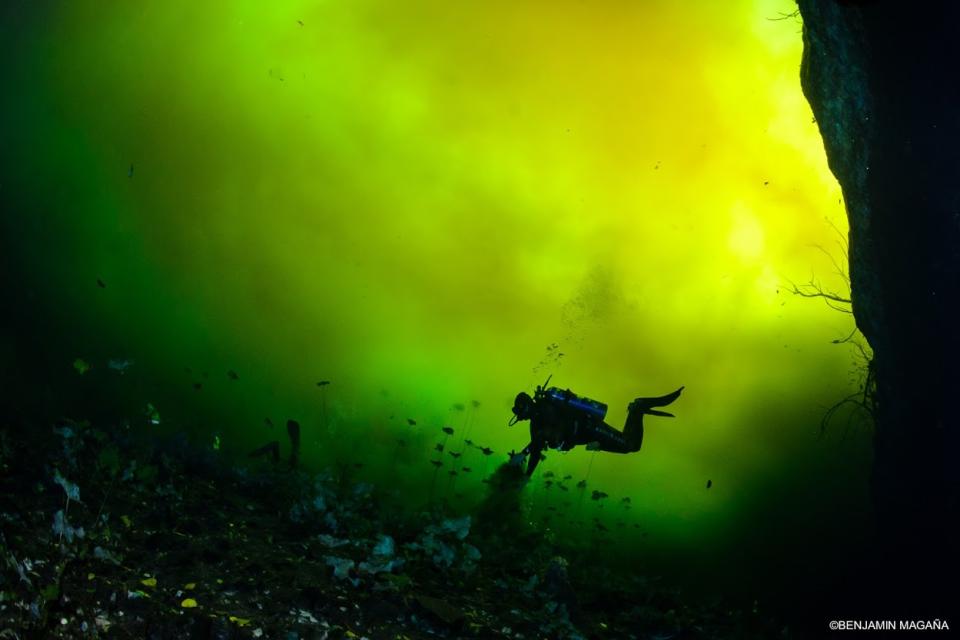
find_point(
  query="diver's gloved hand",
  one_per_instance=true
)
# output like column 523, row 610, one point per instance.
column 516, row 459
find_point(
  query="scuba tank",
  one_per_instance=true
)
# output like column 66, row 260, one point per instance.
column 564, row 397
column 593, row 408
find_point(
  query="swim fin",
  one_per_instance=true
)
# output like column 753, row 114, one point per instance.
column 645, row 405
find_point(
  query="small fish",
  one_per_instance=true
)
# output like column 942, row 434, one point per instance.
column 438, row 447
column 466, row 469
column 232, row 375
column 487, row 451
column 448, row 431
column 401, row 442
column 548, row 484
column 475, row 404
column 268, row 422
column 563, row 487
column 468, row 442
column 582, row 484
column 598, row 495
column 81, row 366
column 551, row 508
column 452, row 472
column 709, row 483
column 205, row 374
column 358, row 465
column 458, row 406
column 197, row 386
column 600, row 526
column 454, row 454
column 120, row 366
column 766, row 182
column 101, row 283
column 568, row 477
column 300, row 22
column 548, row 474
column 436, row 463
column 625, row 500
column 411, row 422
column 323, row 383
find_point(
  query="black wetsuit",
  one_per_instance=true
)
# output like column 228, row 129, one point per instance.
column 556, row 425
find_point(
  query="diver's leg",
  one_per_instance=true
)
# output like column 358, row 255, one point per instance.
column 633, row 428
column 606, row 438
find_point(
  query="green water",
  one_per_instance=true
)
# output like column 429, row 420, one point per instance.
column 416, row 205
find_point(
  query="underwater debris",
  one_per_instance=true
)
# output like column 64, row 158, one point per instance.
column 342, row 569
column 232, row 375
column 101, row 283
column 709, row 483
column 293, row 431
column 273, row 448
column 152, row 414
column 81, row 366
column 598, row 495
column 63, row 529
column 72, row 490
column 443, row 611
column 323, row 383
column 119, row 365
column 411, row 422
column 448, row 430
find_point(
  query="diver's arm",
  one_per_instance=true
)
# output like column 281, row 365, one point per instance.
column 535, row 457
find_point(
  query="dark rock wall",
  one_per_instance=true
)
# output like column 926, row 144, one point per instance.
column 884, row 84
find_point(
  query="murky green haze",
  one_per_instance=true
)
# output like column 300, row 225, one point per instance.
column 416, row 202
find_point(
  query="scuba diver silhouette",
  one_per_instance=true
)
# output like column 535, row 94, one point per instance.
column 560, row 419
